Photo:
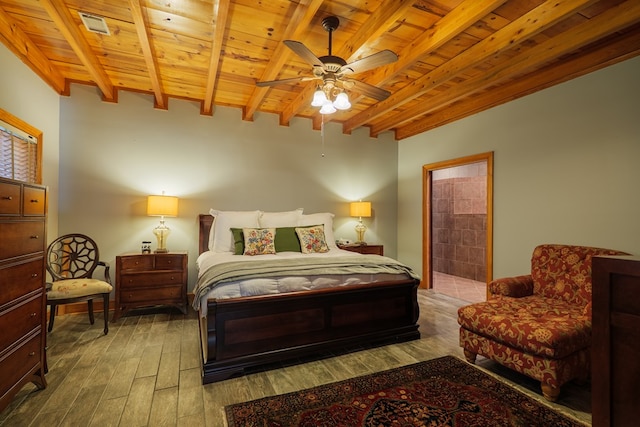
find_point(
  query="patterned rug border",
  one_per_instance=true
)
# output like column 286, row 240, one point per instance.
column 472, row 375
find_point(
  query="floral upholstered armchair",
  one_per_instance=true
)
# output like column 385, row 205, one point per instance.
column 538, row 324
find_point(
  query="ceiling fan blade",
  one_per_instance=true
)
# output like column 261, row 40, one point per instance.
column 303, row 52
column 383, row 57
column 370, row 90
column 284, row 81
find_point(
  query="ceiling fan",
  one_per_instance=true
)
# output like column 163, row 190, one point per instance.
column 333, row 71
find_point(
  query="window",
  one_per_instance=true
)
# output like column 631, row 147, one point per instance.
column 20, row 150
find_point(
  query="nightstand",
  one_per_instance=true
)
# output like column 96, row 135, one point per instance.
column 364, row 249
column 144, row 280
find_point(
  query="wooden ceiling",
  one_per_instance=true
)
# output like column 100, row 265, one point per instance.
column 456, row 57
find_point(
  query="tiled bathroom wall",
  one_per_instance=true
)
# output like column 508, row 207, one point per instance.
column 460, row 221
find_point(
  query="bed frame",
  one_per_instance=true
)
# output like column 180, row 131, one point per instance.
column 244, row 334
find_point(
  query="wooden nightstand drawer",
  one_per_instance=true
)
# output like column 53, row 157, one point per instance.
column 364, row 249
column 159, row 295
column 169, row 262
column 137, row 263
column 150, row 279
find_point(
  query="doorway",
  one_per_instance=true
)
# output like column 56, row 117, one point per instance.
column 458, row 226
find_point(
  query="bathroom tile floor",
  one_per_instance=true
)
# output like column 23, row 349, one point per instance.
column 459, row 287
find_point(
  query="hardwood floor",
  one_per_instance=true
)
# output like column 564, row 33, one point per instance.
column 146, row 372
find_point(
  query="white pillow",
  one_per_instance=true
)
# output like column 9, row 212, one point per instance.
column 221, row 238
column 325, row 219
column 280, row 219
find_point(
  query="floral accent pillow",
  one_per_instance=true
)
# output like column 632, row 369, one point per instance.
column 259, row 241
column 312, row 239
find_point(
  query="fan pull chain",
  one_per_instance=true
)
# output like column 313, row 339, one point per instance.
column 322, row 134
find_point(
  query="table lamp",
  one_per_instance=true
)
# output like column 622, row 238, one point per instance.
column 162, row 206
column 360, row 209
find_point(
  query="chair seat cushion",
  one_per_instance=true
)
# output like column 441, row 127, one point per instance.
column 544, row 326
column 73, row 288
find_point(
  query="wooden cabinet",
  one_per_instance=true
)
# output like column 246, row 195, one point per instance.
column 364, row 249
column 144, row 280
column 615, row 383
column 23, row 209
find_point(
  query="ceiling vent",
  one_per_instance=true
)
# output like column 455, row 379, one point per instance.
column 94, row 23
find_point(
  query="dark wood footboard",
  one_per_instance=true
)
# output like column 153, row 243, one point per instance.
column 249, row 332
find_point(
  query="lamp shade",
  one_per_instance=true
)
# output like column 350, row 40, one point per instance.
column 360, row 209
column 162, row 206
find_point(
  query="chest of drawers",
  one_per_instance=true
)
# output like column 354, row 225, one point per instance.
column 145, row 280
column 23, row 209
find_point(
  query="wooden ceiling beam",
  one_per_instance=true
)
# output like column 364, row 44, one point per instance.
column 220, row 16
column 608, row 22
column 59, row 14
column 625, row 47
column 149, row 56
column 24, row 48
column 519, row 30
column 298, row 24
column 377, row 23
column 449, row 26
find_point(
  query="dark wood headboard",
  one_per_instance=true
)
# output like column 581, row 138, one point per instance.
column 205, row 221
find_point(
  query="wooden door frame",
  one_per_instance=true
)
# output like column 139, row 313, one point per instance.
column 427, row 244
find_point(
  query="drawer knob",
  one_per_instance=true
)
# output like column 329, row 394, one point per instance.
column 33, row 353
column 34, row 275
column 7, row 198
column 34, row 200
column 33, row 314
column 34, row 236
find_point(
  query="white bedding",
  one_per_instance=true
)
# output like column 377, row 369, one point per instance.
column 275, row 285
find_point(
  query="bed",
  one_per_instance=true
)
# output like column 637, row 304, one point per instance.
column 245, row 333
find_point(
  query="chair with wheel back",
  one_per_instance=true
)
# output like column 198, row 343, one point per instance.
column 71, row 261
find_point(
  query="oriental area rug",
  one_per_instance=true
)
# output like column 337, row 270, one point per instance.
column 439, row 392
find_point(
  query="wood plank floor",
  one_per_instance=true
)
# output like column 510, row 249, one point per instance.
column 146, row 372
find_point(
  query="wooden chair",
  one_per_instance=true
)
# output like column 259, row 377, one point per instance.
column 71, row 261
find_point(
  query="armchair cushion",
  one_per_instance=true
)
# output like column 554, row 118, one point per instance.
column 530, row 324
column 73, row 288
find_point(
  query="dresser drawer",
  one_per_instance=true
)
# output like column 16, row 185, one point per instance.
column 21, row 238
column 9, row 198
column 34, row 201
column 19, row 361
column 153, row 295
column 20, row 279
column 150, row 279
column 169, row 262
column 137, row 263
column 23, row 318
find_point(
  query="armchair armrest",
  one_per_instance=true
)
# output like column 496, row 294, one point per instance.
column 106, row 270
column 516, row 287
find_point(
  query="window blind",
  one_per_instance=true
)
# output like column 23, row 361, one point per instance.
column 18, row 154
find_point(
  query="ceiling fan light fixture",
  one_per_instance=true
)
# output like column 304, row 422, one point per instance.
column 328, row 108
column 342, row 101
column 319, row 98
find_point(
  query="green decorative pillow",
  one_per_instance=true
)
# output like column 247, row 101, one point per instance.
column 238, row 241
column 312, row 239
column 287, row 240
column 259, row 241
